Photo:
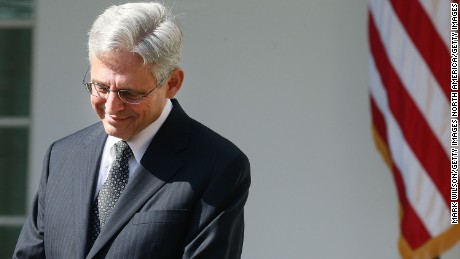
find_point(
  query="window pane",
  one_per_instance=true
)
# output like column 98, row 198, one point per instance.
column 15, row 50
column 15, row 9
column 13, row 165
column 8, row 238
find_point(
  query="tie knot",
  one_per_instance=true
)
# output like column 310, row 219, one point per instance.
column 122, row 150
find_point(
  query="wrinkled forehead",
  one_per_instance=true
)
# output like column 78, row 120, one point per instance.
column 121, row 61
column 120, row 70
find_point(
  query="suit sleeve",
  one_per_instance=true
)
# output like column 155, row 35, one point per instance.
column 218, row 222
column 30, row 243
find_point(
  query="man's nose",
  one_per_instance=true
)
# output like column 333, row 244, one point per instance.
column 113, row 103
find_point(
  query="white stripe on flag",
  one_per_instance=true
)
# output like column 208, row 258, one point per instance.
column 413, row 72
column 439, row 13
column 421, row 192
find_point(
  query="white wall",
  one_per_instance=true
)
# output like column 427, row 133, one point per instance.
column 287, row 82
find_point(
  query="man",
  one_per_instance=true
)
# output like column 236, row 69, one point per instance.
column 147, row 181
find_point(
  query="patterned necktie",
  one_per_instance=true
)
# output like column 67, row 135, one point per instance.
column 111, row 189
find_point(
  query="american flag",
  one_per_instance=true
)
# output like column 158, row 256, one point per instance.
column 410, row 92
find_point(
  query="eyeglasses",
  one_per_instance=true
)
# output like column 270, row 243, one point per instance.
column 127, row 96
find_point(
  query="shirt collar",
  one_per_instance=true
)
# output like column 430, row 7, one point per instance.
column 140, row 142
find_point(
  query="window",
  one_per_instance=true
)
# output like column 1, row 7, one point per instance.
column 16, row 28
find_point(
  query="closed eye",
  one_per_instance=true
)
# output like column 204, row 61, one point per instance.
column 101, row 88
column 130, row 95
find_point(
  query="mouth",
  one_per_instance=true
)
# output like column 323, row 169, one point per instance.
column 115, row 119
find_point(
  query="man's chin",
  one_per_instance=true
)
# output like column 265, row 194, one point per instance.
column 115, row 132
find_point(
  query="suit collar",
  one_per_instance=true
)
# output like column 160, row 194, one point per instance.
column 159, row 163
column 140, row 142
column 84, row 182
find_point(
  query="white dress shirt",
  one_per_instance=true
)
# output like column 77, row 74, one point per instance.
column 138, row 144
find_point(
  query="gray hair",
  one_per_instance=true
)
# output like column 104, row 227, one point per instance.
column 147, row 29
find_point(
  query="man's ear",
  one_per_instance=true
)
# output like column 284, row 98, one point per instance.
column 174, row 82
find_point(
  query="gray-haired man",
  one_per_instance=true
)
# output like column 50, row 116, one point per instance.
column 147, row 181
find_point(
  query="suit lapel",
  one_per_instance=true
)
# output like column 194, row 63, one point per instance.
column 159, row 163
column 85, row 174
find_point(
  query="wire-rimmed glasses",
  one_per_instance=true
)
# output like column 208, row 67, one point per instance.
column 127, row 96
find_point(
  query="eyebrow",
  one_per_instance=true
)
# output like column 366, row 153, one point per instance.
column 108, row 87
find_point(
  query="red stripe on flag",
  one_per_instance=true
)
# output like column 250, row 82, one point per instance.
column 412, row 227
column 426, row 38
column 412, row 123
column 379, row 121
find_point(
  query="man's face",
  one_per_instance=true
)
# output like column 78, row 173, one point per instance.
column 125, row 70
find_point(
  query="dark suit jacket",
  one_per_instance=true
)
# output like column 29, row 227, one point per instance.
column 185, row 200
